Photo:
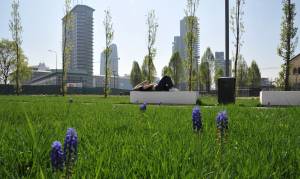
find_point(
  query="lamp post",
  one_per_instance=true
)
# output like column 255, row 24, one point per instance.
column 227, row 38
column 52, row 51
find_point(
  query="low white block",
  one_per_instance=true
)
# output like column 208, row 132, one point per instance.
column 164, row 97
column 280, row 98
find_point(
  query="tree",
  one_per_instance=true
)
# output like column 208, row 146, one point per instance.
column 191, row 37
column 279, row 81
column 166, row 71
column 237, row 27
column 67, row 45
column 288, row 39
column 109, row 35
column 208, row 60
column 16, row 30
column 148, row 65
column 176, row 68
column 205, row 78
column 218, row 74
column 136, row 74
column 152, row 26
column 241, row 75
column 254, row 76
column 24, row 70
column 7, row 59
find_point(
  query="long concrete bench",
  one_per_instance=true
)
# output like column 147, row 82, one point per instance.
column 164, row 97
column 280, row 98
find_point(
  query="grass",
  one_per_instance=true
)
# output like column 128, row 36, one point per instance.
column 116, row 140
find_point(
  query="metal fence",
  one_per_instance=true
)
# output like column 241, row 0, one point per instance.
column 54, row 90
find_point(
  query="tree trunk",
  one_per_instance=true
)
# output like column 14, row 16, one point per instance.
column 64, row 58
column 237, row 42
column 288, row 52
column 17, row 71
column 106, row 75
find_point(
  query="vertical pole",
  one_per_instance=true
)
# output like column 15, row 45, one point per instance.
column 227, row 37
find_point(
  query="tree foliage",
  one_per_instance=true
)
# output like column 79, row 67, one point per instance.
column 191, row 38
column 148, row 70
column 24, row 70
column 67, row 45
column 242, row 70
column 166, row 71
column 7, row 59
column 254, row 76
column 237, row 28
column 15, row 27
column 218, row 74
column 176, row 68
column 288, row 39
column 152, row 26
column 136, row 74
column 205, row 77
column 109, row 35
column 207, row 68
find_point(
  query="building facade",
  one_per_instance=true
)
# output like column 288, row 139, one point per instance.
column 295, row 72
column 116, row 82
column 113, row 62
column 179, row 44
column 80, row 36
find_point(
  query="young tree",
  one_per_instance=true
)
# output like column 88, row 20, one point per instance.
column 237, row 27
column 152, row 26
column 218, row 74
column 7, row 59
column 254, row 76
column 208, row 60
column 280, row 80
column 67, row 45
column 191, row 37
column 148, row 65
column 16, row 30
column 136, row 74
column 176, row 67
column 205, row 77
column 242, row 75
column 24, row 71
column 109, row 35
column 288, row 39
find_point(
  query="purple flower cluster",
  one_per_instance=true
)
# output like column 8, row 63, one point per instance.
column 143, row 107
column 222, row 121
column 68, row 156
column 70, row 145
column 197, row 119
column 57, row 156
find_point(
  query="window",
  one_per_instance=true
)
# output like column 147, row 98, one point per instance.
column 299, row 70
column 294, row 71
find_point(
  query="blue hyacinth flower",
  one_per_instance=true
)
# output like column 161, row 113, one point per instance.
column 70, row 150
column 222, row 121
column 143, row 107
column 57, row 156
column 197, row 119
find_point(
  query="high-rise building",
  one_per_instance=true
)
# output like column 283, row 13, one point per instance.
column 179, row 44
column 80, row 36
column 113, row 63
column 221, row 63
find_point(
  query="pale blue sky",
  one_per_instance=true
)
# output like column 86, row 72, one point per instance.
column 41, row 20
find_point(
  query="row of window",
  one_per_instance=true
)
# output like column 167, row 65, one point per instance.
column 296, row 71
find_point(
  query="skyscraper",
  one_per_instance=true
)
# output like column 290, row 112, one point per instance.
column 113, row 63
column 179, row 44
column 80, row 34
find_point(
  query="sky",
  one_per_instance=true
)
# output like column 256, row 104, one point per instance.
column 42, row 30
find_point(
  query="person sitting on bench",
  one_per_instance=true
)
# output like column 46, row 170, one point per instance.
column 165, row 84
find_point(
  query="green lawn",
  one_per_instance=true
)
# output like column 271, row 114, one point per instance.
column 116, row 140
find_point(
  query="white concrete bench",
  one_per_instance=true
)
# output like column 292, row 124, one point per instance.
column 164, row 97
column 280, row 98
